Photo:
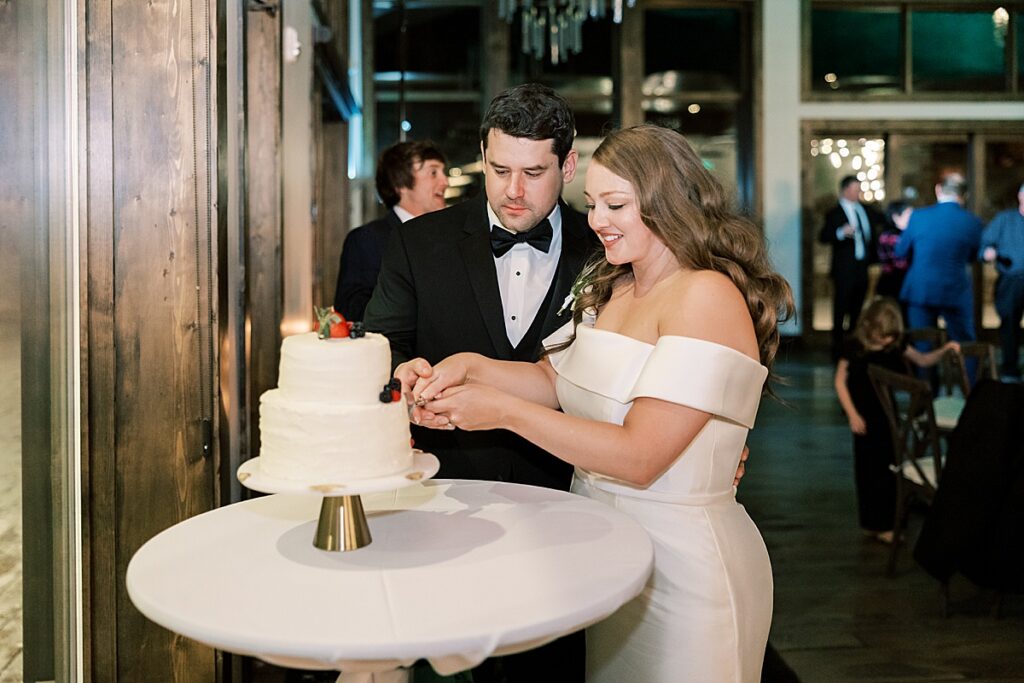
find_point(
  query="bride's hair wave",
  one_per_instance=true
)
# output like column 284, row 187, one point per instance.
column 683, row 205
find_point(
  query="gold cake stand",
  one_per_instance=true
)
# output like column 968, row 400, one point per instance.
column 342, row 524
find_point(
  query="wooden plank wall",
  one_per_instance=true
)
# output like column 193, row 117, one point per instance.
column 332, row 195
column 148, row 305
column 263, row 210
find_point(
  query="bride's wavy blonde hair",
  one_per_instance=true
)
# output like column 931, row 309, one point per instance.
column 683, row 205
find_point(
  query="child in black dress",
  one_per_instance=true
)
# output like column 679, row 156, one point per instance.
column 877, row 340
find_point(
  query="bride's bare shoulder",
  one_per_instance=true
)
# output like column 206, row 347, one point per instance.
column 705, row 288
column 706, row 304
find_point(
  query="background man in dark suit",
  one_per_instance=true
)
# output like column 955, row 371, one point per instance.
column 940, row 241
column 489, row 275
column 410, row 182
column 852, row 230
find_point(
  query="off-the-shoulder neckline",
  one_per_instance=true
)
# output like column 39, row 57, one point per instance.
column 674, row 336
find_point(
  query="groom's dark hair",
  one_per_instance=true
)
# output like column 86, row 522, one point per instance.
column 535, row 112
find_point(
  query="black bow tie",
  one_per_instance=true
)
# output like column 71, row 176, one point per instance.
column 538, row 237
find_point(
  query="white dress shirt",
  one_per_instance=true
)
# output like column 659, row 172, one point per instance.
column 402, row 214
column 524, row 276
column 856, row 216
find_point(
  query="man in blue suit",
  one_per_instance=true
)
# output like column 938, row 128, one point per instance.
column 940, row 242
column 410, row 182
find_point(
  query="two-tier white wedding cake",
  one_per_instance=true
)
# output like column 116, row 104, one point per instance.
column 332, row 418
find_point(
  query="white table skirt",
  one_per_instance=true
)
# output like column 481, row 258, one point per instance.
column 458, row 571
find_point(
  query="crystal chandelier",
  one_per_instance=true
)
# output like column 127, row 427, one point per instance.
column 555, row 27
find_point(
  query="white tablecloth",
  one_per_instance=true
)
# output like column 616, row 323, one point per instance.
column 457, row 572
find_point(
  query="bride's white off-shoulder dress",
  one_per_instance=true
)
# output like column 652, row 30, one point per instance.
column 706, row 611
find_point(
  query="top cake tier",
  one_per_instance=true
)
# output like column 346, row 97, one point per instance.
column 341, row 371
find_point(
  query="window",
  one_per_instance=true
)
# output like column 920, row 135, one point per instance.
column 686, row 64
column 1019, row 21
column 856, row 50
column 913, row 48
column 428, row 89
column 453, row 125
column 711, row 129
column 958, row 51
column 449, row 59
column 696, row 81
column 700, row 46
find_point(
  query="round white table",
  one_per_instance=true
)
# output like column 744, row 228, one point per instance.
column 458, row 571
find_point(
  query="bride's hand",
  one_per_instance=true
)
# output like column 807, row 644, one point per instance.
column 472, row 407
column 409, row 374
column 452, row 371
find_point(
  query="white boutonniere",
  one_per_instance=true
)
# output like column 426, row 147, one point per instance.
column 567, row 304
column 578, row 287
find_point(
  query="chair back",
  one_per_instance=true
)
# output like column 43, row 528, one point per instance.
column 907, row 404
column 935, row 336
column 980, row 356
column 985, row 355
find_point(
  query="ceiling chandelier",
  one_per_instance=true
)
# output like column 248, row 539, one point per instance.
column 555, row 27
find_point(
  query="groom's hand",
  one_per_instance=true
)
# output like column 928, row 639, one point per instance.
column 742, row 469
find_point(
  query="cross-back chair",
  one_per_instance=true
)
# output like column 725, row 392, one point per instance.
column 935, row 336
column 917, row 451
column 974, row 362
column 980, row 355
column 949, row 406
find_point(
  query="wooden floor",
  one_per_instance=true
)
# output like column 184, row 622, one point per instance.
column 10, row 496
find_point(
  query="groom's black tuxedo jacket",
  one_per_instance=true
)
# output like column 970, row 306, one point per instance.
column 438, row 295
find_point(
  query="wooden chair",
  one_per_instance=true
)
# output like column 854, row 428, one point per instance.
column 948, row 407
column 935, row 336
column 982, row 356
column 917, row 451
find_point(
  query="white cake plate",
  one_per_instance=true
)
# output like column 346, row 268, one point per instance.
column 342, row 524
column 424, row 466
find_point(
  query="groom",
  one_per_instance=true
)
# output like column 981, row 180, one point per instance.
column 489, row 276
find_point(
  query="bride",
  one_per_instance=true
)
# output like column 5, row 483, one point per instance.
column 658, row 378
